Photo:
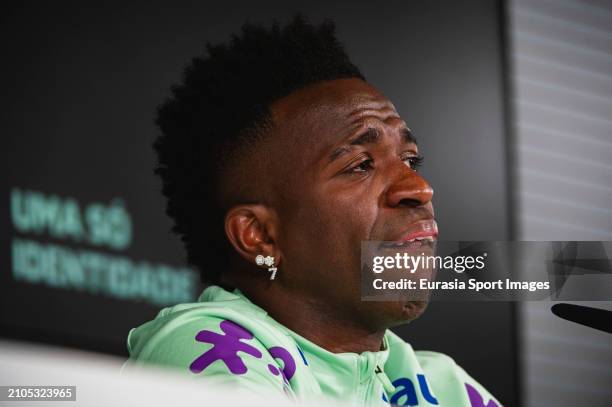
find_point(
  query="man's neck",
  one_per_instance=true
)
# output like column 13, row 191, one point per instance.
column 324, row 327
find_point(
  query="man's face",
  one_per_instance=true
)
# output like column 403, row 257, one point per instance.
column 343, row 172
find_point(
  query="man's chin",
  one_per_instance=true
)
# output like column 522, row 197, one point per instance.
column 387, row 314
column 411, row 310
column 403, row 312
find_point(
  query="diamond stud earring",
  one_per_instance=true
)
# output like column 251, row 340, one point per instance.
column 260, row 260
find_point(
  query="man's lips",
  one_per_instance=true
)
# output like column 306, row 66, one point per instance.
column 418, row 233
column 422, row 230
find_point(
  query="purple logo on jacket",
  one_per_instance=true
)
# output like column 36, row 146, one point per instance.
column 227, row 345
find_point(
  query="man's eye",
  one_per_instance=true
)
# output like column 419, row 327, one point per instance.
column 414, row 162
column 364, row 166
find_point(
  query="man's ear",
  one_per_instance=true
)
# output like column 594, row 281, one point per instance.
column 252, row 230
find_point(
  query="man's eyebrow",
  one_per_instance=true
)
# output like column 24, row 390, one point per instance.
column 371, row 135
column 408, row 136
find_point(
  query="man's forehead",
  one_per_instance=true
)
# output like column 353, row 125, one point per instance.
column 340, row 96
column 321, row 115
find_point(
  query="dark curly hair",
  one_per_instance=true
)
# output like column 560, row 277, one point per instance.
column 224, row 98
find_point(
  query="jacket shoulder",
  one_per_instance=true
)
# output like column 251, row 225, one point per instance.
column 224, row 346
column 449, row 381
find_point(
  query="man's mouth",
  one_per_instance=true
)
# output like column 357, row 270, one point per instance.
column 419, row 234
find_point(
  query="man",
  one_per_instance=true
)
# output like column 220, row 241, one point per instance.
column 278, row 159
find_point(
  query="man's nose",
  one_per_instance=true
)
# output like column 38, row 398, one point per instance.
column 408, row 189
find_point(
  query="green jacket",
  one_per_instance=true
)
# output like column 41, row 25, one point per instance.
column 226, row 339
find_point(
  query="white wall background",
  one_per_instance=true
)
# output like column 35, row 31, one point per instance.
column 561, row 55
